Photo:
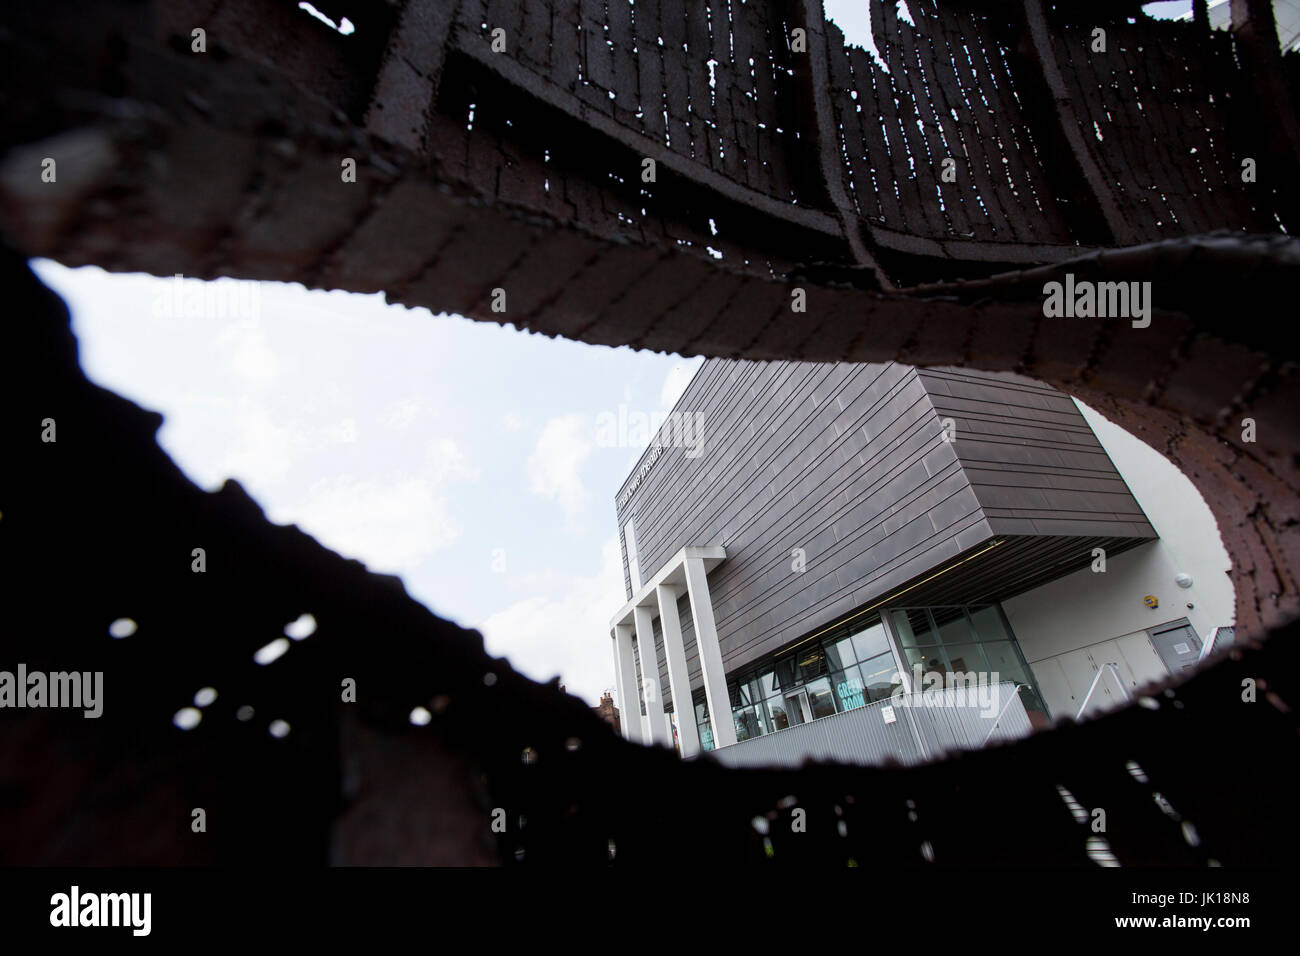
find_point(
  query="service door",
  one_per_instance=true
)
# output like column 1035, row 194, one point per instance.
column 1177, row 645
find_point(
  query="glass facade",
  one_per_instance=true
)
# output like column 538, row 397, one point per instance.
column 846, row 668
column 853, row 665
column 973, row 639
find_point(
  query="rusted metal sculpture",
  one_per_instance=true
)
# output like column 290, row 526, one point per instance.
column 622, row 190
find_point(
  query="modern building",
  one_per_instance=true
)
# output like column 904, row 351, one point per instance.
column 809, row 547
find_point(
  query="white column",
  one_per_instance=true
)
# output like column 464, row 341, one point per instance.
column 654, row 702
column 688, row 735
column 706, row 637
column 629, row 697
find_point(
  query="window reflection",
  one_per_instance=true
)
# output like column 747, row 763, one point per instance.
column 912, row 625
column 812, row 663
column 840, row 654
column 870, row 642
column 880, row 676
column 952, row 625
column 853, row 666
column 703, row 725
column 988, row 623
column 776, row 713
column 821, row 698
column 747, row 725
column 967, row 658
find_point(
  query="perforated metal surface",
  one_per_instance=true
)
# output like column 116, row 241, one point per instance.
column 229, row 164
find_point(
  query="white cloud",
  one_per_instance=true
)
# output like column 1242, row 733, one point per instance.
column 567, row 634
column 388, row 525
column 512, row 421
column 400, row 416
column 249, row 353
column 555, row 466
column 444, row 460
column 343, row 432
column 256, row 447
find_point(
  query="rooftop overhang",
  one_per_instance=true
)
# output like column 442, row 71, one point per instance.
column 1005, row 566
column 674, row 572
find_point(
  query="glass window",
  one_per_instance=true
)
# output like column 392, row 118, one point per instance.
column 930, row 659
column 794, row 705
column 988, row 623
column 967, row 659
column 839, row 653
column 1029, row 697
column 812, row 663
column 849, row 670
column 702, row 723
column 849, row 692
column 870, row 641
column 953, row 627
column 880, row 676
column 1004, row 663
column 776, row 713
column 913, row 627
column 821, row 697
column 747, row 725
column 736, row 697
column 706, row 737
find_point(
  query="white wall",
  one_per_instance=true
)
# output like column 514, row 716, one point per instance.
column 1084, row 609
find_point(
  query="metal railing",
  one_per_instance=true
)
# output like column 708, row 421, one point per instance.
column 1010, row 700
column 1227, row 634
column 933, row 722
column 1114, row 668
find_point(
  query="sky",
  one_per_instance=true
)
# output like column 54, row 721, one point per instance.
column 463, row 456
column 851, row 16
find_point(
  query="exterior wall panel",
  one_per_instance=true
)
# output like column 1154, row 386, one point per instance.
column 1030, row 456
